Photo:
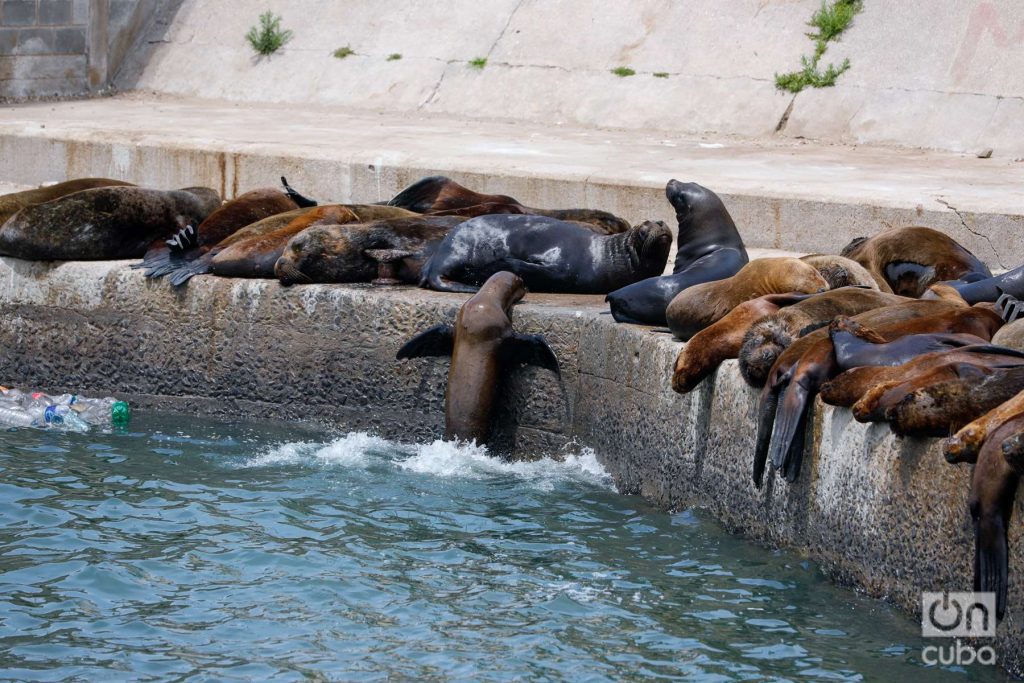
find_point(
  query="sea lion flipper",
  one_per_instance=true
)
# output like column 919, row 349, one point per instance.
column 422, row 194
column 439, row 340
column 532, row 349
column 991, row 558
column 765, row 423
column 300, row 201
column 788, row 421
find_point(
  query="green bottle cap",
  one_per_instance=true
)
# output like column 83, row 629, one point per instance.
column 120, row 414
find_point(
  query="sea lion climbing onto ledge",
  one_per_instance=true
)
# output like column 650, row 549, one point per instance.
column 482, row 346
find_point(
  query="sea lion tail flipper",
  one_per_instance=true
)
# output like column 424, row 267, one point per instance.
column 421, row 195
column 532, row 349
column 1008, row 307
column 991, row 558
column 765, row 424
column 301, row 201
column 439, row 340
column 160, row 263
column 184, row 239
column 434, row 281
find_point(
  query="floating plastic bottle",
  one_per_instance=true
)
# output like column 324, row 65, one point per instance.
column 66, row 412
column 13, row 416
column 62, row 416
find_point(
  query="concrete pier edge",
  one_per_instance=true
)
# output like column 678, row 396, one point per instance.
column 879, row 513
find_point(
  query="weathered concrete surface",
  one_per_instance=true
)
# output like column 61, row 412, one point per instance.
column 946, row 77
column 883, row 514
column 785, row 195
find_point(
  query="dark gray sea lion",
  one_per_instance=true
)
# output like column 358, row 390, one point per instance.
column 912, row 258
column 482, row 346
column 699, row 306
column 708, row 247
column 976, row 291
column 103, row 223
column 440, row 195
column 14, row 202
column 339, row 253
column 550, row 255
column 856, row 346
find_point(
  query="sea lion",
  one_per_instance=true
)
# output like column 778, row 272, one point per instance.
column 439, row 195
column 966, row 443
column 701, row 305
column 481, row 344
column 550, row 255
column 769, row 337
column 945, row 407
column 975, row 291
column 911, row 258
column 338, row 253
column 254, row 250
column 855, row 345
column 840, row 271
column 14, row 202
column 708, row 248
column 904, row 380
column 803, row 367
column 103, row 223
column 720, row 341
column 993, row 491
column 166, row 256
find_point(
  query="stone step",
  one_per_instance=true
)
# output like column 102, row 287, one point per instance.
column 783, row 194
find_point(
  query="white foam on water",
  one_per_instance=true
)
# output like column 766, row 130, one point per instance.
column 471, row 461
column 455, row 460
column 350, row 450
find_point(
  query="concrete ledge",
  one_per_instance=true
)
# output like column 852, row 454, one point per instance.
column 883, row 514
column 783, row 195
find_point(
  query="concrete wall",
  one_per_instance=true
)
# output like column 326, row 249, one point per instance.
column 884, row 514
column 944, row 75
column 53, row 48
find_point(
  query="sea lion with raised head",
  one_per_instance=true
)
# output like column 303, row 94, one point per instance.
column 440, row 195
column 768, row 337
column 349, row 252
column 550, row 255
column 699, row 306
column 482, row 345
column 801, row 369
column 103, row 223
column 708, row 248
column 911, row 258
column 13, row 202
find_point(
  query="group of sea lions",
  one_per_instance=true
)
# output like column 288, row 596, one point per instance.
column 906, row 326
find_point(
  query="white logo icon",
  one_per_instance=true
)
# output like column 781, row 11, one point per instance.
column 958, row 615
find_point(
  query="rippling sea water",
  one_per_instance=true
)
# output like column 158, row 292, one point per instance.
column 199, row 550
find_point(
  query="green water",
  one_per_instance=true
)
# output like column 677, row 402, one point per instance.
column 195, row 550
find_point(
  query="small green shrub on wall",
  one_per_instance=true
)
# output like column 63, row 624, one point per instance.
column 830, row 21
column 268, row 37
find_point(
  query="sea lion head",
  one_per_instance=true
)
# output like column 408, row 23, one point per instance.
column 762, row 345
column 649, row 244
column 684, row 196
column 328, row 253
column 507, row 287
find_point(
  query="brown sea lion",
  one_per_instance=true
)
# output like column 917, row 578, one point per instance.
column 103, row 223
column 443, row 196
column 165, row 256
column 993, row 491
column 840, row 271
column 253, row 251
column 701, row 305
column 338, row 253
column 482, row 345
column 769, row 337
column 966, row 443
column 14, row 202
column 809, row 362
column 911, row 258
column 707, row 349
column 942, row 408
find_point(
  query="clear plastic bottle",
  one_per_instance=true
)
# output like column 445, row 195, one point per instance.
column 103, row 412
column 14, row 416
column 64, row 418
